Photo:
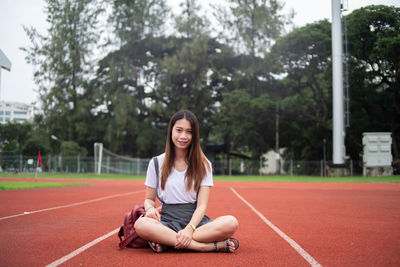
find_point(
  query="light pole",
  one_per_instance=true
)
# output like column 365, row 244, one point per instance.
column 55, row 138
column 277, row 153
column 339, row 150
column 5, row 63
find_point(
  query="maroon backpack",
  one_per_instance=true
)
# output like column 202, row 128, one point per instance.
column 131, row 238
column 127, row 230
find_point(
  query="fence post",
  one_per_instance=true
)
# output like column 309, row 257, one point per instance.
column 79, row 165
column 131, row 167
column 60, row 165
column 351, row 167
column 291, row 167
column 230, row 167
column 55, row 164
column 20, row 162
column 322, row 167
column 108, row 164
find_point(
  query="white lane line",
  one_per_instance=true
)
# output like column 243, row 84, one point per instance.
column 81, row 249
column 291, row 242
column 71, row 205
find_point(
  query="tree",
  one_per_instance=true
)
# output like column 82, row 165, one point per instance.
column 189, row 24
column 185, row 82
column 63, row 64
column 14, row 136
column 253, row 23
column 135, row 19
column 71, row 148
column 119, row 100
column 304, row 57
column 246, row 122
column 251, row 26
column 118, row 97
column 374, row 45
column 37, row 140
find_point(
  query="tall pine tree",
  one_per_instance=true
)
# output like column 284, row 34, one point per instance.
column 63, row 66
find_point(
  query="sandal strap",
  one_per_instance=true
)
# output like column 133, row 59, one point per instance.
column 227, row 245
column 226, row 249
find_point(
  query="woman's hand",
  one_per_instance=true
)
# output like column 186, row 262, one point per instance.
column 152, row 213
column 184, row 237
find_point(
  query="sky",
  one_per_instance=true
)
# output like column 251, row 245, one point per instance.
column 18, row 85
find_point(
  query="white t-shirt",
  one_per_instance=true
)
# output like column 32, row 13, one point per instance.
column 175, row 188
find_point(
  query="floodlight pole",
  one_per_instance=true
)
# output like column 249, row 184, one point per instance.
column 337, row 79
column 277, row 153
column 5, row 63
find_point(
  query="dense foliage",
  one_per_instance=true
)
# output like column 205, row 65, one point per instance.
column 234, row 82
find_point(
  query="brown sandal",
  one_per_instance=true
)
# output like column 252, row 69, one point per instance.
column 226, row 248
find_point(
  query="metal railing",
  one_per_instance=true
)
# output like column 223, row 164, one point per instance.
column 136, row 166
column 52, row 164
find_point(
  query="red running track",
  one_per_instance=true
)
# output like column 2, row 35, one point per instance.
column 326, row 224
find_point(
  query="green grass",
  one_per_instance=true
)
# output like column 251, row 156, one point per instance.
column 74, row 176
column 11, row 185
column 239, row 178
column 310, row 179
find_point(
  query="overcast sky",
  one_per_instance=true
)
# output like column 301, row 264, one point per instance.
column 18, row 85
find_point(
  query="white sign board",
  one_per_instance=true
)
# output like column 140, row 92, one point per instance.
column 377, row 149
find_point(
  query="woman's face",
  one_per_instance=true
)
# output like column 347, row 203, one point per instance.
column 182, row 134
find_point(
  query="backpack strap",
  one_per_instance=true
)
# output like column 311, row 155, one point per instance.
column 158, row 178
column 157, row 173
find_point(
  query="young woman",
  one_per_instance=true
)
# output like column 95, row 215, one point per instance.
column 184, row 187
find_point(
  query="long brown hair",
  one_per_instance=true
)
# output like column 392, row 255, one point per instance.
column 195, row 158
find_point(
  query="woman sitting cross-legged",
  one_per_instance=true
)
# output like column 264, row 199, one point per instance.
column 186, row 181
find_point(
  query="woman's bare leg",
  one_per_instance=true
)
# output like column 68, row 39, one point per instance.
column 219, row 229
column 151, row 229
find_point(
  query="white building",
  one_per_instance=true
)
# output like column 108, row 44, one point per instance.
column 12, row 111
column 15, row 112
column 270, row 164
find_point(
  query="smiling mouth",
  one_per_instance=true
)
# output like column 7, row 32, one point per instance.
column 183, row 143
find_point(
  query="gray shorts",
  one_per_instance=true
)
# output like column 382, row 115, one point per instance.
column 177, row 216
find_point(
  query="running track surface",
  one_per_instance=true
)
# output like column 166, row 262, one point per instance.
column 280, row 224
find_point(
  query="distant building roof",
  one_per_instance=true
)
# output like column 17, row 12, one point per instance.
column 216, row 147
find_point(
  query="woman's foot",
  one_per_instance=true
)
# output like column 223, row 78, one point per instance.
column 230, row 245
column 158, row 248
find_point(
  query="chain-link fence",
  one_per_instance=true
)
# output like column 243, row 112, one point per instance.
column 287, row 167
column 52, row 164
column 136, row 166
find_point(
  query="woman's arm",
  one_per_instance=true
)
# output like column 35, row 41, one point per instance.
column 202, row 202
column 184, row 236
column 150, row 204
